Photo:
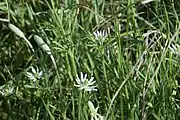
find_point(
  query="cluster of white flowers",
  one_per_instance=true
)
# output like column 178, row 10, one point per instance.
column 88, row 85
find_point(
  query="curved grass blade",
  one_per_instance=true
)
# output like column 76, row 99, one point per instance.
column 20, row 34
column 45, row 48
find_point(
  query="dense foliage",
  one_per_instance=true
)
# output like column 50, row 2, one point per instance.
column 89, row 59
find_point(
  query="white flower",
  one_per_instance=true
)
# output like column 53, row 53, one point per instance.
column 94, row 114
column 175, row 48
column 34, row 74
column 100, row 35
column 84, row 83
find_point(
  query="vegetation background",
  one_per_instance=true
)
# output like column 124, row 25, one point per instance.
column 136, row 64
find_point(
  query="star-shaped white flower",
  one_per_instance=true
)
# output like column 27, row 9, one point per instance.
column 35, row 74
column 84, row 84
column 100, row 35
column 94, row 112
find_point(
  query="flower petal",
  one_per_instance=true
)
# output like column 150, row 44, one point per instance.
column 81, row 77
column 33, row 70
column 85, row 76
column 91, row 79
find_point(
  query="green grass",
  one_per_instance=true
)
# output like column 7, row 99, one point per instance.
column 136, row 67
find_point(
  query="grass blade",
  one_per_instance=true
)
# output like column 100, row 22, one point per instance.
column 18, row 32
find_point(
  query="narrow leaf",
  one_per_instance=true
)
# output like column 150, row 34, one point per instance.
column 42, row 44
column 49, row 112
column 45, row 48
column 18, row 32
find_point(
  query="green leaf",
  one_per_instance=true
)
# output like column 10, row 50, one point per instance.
column 18, row 32
column 42, row 44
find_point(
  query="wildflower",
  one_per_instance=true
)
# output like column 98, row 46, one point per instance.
column 175, row 48
column 34, row 74
column 94, row 114
column 84, row 83
column 102, row 35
